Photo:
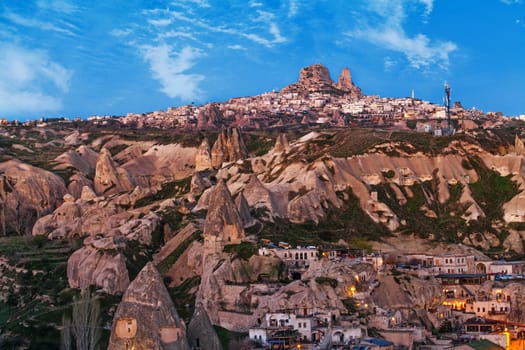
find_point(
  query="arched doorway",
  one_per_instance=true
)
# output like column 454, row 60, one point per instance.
column 481, row 268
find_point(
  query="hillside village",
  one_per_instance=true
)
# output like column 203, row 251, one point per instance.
column 310, row 218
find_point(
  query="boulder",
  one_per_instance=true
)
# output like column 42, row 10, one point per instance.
column 104, row 268
column 27, row 193
column 77, row 182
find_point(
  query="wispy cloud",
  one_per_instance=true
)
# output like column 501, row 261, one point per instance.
column 389, row 63
column 171, row 70
column 388, row 33
column 511, row 2
column 160, row 22
column 293, row 8
column 429, row 6
column 174, row 39
column 200, row 3
column 38, row 24
column 120, row 32
column 26, row 79
column 237, row 47
column 63, row 6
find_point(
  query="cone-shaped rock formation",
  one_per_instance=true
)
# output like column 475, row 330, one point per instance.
column 146, row 318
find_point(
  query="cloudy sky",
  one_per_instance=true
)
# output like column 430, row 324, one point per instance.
column 98, row 57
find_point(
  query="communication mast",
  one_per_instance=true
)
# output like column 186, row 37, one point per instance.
column 447, row 105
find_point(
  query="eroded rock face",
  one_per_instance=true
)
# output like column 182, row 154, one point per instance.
column 98, row 263
column 244, row 211
column 146, row 318
column 258, row 196
column 201, row 332
column 223, row 223
column 27, row 193
column 77, row 182
column 109, row 177
column 203, row 156
column 281, row 144
column 84, row 159
column 209, row 117
column 229, row 147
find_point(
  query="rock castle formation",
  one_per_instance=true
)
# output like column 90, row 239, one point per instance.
column 316, row 78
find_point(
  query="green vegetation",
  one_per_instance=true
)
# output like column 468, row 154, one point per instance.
column 38, row 294
column 442, row 220
column 171, row 259
column 183, row 297
column 138, row 255
column 350, row 305
column 258, row 144
column 117, row 149
column 168, row 190
column 244, row 250
column 172, row 217
column 229, row 338
column 349, row 223
column 332, row 282
column 492, row 190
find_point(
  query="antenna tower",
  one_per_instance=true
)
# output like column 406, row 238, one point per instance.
column 447, row 104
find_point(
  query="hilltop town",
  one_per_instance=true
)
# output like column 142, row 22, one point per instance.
column 311, row 218
column 314, row 101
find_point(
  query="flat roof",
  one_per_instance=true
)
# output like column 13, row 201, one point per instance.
column 461, row 275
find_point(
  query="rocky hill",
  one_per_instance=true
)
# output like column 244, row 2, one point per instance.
column 102, row 203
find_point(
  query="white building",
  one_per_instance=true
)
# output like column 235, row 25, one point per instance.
column 443, row 264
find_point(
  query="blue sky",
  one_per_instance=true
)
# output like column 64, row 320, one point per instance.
column 98, row 57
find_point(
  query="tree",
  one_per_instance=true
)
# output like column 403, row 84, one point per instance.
column 83, row 326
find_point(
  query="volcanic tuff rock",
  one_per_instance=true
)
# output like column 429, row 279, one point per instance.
column 201, row 333
column 244, row 211
column 316, row 78
column 161, row 164
column 27, row 193
column 223, row 223
column 258, row 196
column 97, row 264
column 83, row 159
column 109, row 177
column 203, row 156
column 77, row 182
column 229, row 147
column 209, row 117
column 346, row 84
column 281, row 144
column 146, row 318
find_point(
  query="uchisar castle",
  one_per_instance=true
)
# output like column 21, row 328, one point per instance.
column 314, row 217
